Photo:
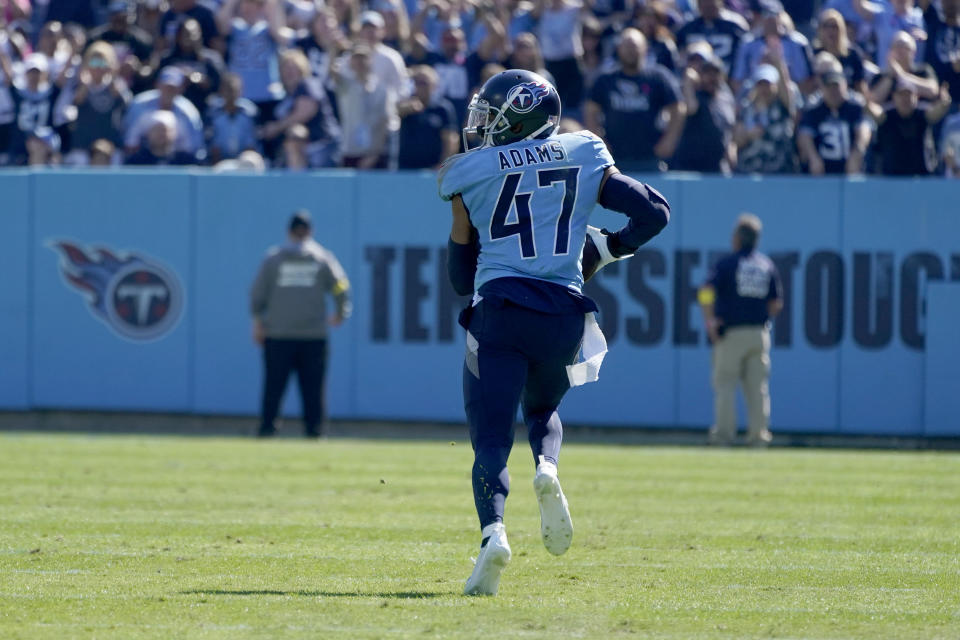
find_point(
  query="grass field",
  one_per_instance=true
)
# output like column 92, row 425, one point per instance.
column 167, row 537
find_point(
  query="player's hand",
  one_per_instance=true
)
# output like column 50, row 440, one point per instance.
column 259, row 335
column 335, row 320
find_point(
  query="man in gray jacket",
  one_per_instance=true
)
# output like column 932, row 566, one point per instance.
column 289, row 305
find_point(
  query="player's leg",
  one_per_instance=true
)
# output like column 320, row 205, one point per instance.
column 311, row 370
column 551, row 347
column 727, row 359
column 756, row 390
column 493, row 376
column 277, row 362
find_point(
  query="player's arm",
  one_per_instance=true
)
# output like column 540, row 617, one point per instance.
column 462, row 249
column 648, row 212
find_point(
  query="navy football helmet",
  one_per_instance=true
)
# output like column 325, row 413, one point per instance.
column 511, row 106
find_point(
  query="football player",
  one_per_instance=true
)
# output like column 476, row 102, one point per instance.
column 521, row 245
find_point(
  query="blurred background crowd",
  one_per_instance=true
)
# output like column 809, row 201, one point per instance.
column 717, row 86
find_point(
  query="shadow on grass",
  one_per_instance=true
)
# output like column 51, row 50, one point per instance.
column 401, row 595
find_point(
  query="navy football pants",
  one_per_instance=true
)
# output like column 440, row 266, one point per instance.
column 520, row 360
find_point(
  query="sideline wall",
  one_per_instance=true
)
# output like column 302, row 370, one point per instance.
column 855, row 350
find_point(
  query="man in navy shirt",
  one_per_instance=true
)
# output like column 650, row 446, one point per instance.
column 722, row 28
column 834, row 133
column 624, row 108
column 741, row 295
column 428, row 123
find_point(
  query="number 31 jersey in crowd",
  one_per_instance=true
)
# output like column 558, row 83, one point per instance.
column 530, row 202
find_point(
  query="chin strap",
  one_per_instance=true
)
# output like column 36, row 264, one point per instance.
column 543, row 128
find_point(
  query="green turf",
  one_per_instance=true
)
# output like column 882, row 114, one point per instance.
column 135, row 537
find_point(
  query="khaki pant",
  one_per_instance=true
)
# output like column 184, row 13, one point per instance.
column 742, row 355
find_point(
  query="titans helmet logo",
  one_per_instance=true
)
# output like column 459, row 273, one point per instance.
column 136, row 297
column 522, row 98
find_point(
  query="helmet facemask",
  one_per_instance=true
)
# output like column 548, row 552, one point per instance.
column 485, row 121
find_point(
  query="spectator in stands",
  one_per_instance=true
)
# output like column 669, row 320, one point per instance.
column 346, row 11
column 652, row 21
column 885, row 19
column 451, row 67
column 248, row 161
column 834, row 133
column 396, row 23
column 526, row 55
column 950, row 146
column 775, row 34
column 386, row 63
column 901, row 66
column 81, row 12
column 942, row 49
column 54, row 46
column 201, row 66
column 611, row 16
column 366, row 107
column 32, row 101
column 43, row 148
column 626, row 106
column 15, row 12
column 594, row 60
column 707, row 141
column 232, row 121
column 178, row 12
column 516, row 16
column 121, row 32
column 305, row 102
column 149, row 15
column 188, row 126
column 254, row 32
column 832, row 37
column 160, row 147
column 558, row 30
column 323, row 44
column 429, row 128
column 722, row 28
column 434, row 17
column 294, row 154
column 764, row 135
column 491, row 49
column 101, row 153
column 905, row 144
column 101, row 99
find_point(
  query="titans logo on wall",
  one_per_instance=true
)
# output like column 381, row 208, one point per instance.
column 134, row 295
column 524, row 97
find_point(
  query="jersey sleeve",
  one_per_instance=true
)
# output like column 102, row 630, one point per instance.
column 450, row 178
column 591, row 150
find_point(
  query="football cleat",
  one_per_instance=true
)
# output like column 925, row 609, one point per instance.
column 556, row 527
column 493, row 558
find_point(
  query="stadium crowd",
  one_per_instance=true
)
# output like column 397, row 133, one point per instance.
column 735, row 86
